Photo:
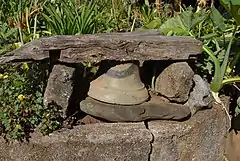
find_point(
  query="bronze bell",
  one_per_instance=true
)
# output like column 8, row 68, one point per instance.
column 121, row 85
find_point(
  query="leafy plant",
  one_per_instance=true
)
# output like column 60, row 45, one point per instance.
column 8, row 36
column 21, row 102
column 69, row 18
column 233, row 7
column 187, row 23
column 19, row 14
column 220, row 69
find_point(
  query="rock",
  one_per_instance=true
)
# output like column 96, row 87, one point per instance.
column 201, row 138
column 89, row 120
column 142, row 46
column 200, row 96
column 60, row 87
column 175, row 82
column 233, row 146
column 149, row 110
column 92, row 142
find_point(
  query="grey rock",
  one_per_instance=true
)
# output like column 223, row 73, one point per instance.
column 60, row 87
column 201, row 138
column 153, row 109
column 92, row 142
column 142, row 46
column 200, row 96
column 175, row 82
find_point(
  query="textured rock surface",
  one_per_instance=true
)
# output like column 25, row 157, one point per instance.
column 233, row 146
column 200, row 96
column 148, row 110
column 147, row 45
column 93, row 142
column 60, row 87
column 175, row 82
column 200, row 138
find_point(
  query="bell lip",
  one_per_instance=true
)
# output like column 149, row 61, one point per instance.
column 112, row 96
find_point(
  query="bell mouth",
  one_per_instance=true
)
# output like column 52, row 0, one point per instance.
column 120, row 85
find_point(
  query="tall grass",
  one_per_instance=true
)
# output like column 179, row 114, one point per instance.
column 68, row 17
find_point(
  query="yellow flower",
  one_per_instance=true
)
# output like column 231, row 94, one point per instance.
column 20, row 97
column 25, row 66
column 202, row 3
column 1, row 76
column 18, row 127
column 5, row 76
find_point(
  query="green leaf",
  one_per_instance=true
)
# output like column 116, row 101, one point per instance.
column 155, row 24
column 233, row 8
column 217, row 19
column 216, row 83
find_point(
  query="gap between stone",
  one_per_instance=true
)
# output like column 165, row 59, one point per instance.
column 151, row 142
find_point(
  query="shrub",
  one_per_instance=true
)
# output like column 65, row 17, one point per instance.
column 21, row 102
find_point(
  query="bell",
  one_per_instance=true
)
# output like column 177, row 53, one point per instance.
column 120, row 85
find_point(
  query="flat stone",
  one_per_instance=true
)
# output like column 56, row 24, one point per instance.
column 200, row 138
column 92, row 142
column 175, row 82
column 153, row 109
column 201, row 95
column 60, row 87
column 142, row 46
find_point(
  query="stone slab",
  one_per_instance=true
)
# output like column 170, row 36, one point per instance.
column 93, row 142
column 201, row 138
column 153, row 109
column 146, row 45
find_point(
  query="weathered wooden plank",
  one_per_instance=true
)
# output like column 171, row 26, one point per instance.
column 147, row 45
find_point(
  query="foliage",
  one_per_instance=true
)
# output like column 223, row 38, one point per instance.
column 21, row 14
column 220, row 70
column 233, row 7
column 208, row 26
column 7, row 36
column 66, row 17
column 21, row 102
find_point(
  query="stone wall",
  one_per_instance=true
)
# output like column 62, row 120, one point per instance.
column 202, row 137
column 176, row 123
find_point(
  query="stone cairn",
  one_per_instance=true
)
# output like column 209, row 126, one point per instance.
column 119, row 94
column 155, row 123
